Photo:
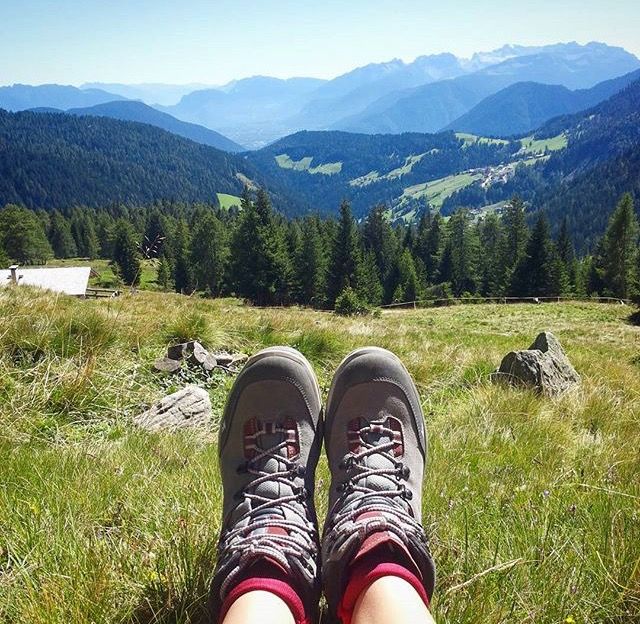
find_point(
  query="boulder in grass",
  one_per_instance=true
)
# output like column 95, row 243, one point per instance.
column 166, row 365
column 544, row 366
column 189, row 407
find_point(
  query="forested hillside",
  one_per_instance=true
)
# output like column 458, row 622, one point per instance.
column 599, row 163
column 323, row 168
column 137, row 111
column 56, row 161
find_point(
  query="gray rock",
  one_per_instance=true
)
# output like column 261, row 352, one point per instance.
column 544, row 367
column 185, row 350
column 166, row 365
column 210, row 362
column 231, row 360
column 197, row 354
column 189, row 407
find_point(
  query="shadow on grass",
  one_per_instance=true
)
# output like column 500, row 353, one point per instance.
column 184, row 601
column 634, row 318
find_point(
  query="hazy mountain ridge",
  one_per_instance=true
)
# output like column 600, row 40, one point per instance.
column 140, row 112
column 19, row 97
column 525, row 106
column 433, row 106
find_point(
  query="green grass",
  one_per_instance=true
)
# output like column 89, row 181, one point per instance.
column 226, row 201
column 540, row 146
column 304, row 164
column 437, row 191
column 106, row 278
column 533, row 505
column 374, row 176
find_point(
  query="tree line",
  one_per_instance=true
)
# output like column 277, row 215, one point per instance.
column 257, row 254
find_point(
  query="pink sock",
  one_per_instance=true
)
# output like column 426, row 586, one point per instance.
column 379, row 562
column 270, row 578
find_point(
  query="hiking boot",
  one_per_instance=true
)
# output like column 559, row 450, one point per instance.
column 376, row 445
column 269, row 444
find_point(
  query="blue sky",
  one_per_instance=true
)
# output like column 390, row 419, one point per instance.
column 73, row 41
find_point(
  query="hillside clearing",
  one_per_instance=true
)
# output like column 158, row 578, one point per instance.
column 226, row 201
column 530, row 145
column 437, row 191
column 533, row 505
column 304, row 164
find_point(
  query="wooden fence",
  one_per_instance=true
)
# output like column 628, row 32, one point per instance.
column 433, row 303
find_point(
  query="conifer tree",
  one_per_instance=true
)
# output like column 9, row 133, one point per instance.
column 345, row 269
column 22, row 236
column 311, row 265
column 209, row 253
column 516, row 233
column 620, row 250
column 84, row 234
column 60, row 237
column 378, row 237
column 492, row 245
column 464, row 254
column 182, row 269
column 261, row 267
column 126, row 256
column 164, row 279
column 537, row 273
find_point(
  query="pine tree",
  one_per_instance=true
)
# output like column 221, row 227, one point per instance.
column 537, row 273
column 164, row 279
column 345, row 269
column 209, row 253
column 60, row 237
column 182, row 269
column 126, row 256
column 517, row 233
column 261, row 267
column 311, row 265
column 378, row 237
column 492, row 245
column 430, row 242
column 567, row 256
column 464, row 254
column 22, row 236
column 84, row 234
column 620, row 250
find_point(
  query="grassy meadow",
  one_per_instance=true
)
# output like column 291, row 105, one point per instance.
column 532, row 504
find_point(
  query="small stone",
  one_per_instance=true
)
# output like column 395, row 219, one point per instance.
column 197, row 354
column 189, row 407
column 210, row 362
column 166, row 365
column 544, row 367
column 177, row 352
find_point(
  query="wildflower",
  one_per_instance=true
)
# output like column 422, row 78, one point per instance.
column 569, row 620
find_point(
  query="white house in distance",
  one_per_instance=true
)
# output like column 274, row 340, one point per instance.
column 67, row 280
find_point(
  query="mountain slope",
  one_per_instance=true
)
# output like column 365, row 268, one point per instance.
column 525, row 106
column 22, row 97
column 55, row 161
column 137, row 111
column 323, row 168
column 584, row 181
column 352, row 92
column 434, row 106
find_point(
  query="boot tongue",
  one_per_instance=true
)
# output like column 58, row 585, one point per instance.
column 378, row 461
column 272, row 488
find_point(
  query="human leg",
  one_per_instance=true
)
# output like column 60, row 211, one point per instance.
column 373, row 539
column 269, row 444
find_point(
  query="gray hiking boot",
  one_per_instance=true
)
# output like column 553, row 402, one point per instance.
column 269, row 444
column 376, row 445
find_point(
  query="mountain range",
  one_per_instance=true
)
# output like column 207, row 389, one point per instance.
column 556, row 124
